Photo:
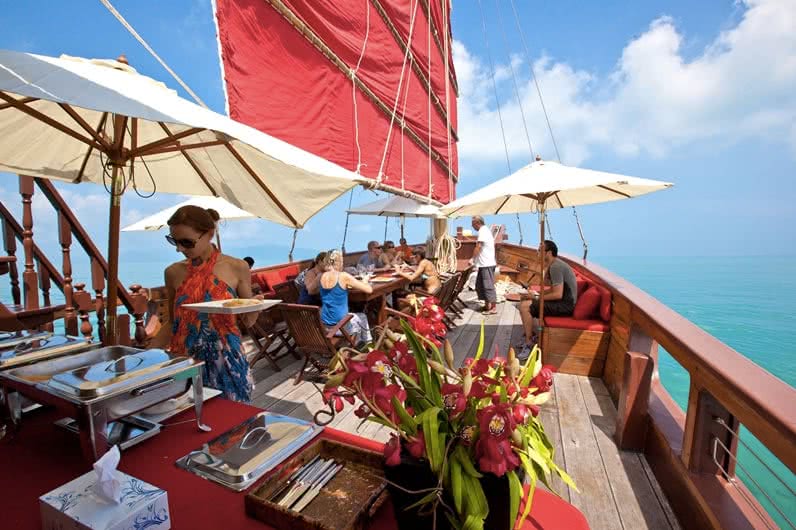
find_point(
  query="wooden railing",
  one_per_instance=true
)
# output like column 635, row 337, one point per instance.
column 79, row 303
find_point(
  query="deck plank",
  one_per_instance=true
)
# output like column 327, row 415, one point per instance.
column 637, row 503
column 583, row 460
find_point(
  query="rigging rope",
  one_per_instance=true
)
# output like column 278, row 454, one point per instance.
column 292, row 246
column 547, row 120
column 380, row 175
column 354, row 86
column 347, row 217
column 447, row 97
column 428, row 54
column 445, row 252
column 497, row 104
column 148, row 48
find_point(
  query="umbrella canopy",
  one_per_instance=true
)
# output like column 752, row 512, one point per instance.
column 397, row 206
column 549, row 185
column 545, row 185
column 80, row 120
column 156, row 221
column 73, row 119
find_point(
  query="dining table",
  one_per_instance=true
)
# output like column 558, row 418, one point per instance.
column 42, row 456
column 384, row 284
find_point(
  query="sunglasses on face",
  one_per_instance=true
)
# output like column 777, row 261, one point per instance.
column 184, row 243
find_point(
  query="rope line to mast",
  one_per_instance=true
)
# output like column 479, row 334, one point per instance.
column 428, row 54
column 380, row 175
column 354, row 87
column 549, row 126
column 148, row 48
column 497, row 104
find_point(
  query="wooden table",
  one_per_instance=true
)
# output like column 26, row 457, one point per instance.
column 379, row 294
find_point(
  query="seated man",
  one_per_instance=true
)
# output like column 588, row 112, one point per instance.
column 372, row 256
column 404, row 250
column 389, row 256
column 559, row 297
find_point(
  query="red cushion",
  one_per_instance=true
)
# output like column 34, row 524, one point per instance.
column 588, row 305
column 571, row 323
column 582, row 285
column 605, row 303
column 288, row 273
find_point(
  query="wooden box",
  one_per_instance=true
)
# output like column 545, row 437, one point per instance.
column 348, row 502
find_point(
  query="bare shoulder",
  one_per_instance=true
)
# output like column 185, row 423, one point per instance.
column 174, row 272
column 235, row 264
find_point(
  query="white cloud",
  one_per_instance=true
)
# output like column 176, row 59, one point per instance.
column 741, row 86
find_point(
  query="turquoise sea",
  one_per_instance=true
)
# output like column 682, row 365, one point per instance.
column 747, row 302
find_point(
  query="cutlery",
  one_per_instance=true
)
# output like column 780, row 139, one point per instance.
column 294, row 476
column 316, row 489
column 306, row 481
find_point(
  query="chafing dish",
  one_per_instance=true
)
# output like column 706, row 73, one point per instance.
column 100, row 386
column 19, row 349
column 240, row 456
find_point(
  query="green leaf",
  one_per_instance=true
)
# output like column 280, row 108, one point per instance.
column 467, row 464
column 456, row 483
column 529, row 500
column 473, row 523
column 434, row 442
column 515, row 494
column 565, row 477
column 424, row 500
column 407, row 422
column 530, row 364
column 480, row 349
column 475, row 499
column 424, row 376
column 380, row 421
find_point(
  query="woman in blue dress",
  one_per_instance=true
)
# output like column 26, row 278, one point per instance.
column 334, row 287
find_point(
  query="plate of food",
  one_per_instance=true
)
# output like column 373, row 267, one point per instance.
column 233, row 306
column 381, row 279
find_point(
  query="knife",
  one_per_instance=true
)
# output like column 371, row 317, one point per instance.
column 296, row 475
column 316, row 489
column 306, row 482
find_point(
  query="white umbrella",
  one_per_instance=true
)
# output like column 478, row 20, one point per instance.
column 157, row 221
column 545, row 185
column 226, row 212
column 397, row 206
column 81, row 120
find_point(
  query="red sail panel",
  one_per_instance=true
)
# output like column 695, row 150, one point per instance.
column 280, row 82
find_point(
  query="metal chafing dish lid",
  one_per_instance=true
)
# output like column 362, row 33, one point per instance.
column 246, row 452
column 27, row 348
column 128, row 371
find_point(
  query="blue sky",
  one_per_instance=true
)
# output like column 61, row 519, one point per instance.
column 696, row 93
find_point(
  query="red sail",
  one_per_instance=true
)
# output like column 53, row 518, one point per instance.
column 287, row 66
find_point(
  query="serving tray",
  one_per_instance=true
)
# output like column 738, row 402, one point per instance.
column 240, row 456
column 217, row 306
column 347, row 502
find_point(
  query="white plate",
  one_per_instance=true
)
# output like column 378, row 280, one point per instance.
column 217, row 306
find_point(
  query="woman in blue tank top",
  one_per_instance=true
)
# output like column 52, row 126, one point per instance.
column 334, row 286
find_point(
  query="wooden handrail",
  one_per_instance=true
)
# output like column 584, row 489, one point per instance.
column 82, row 236
column 38, row 254
column 758, row 399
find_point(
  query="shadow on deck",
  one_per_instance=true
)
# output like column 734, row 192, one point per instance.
column 616, row 488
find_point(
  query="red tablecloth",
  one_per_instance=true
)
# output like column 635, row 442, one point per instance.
column 42, row 457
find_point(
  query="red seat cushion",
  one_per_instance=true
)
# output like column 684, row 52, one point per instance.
column 605, row 303
column 583, row 284
column 588, row 305
column 288, row 273
column 571, row 323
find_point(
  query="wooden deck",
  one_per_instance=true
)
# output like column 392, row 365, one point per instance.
column 616, row 488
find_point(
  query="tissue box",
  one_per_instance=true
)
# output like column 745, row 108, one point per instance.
column 75, row 506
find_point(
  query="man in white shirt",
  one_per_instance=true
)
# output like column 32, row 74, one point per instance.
column 484, row 260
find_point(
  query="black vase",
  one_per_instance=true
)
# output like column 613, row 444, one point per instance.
column 414, row 474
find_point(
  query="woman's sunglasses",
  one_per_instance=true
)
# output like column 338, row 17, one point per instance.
column 184, row 243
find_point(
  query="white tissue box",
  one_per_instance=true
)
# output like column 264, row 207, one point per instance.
column 75, row 506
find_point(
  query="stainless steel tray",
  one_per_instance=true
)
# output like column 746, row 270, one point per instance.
column 43, row 371
column 108, row 376
column 240, row 456
column 125, row 432
column 30, row 348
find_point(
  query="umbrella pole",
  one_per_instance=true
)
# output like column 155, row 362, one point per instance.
column 111, row 335
column 218, row 239
column 540, row 329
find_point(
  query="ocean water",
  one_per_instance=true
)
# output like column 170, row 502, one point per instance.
column 748, row 303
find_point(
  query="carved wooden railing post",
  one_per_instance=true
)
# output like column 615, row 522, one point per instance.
column 84, row 306
column 98, row 284
column 639, row 367
column 29, row 277
column 44, row 285
column 710, row 440
column 10, row 246
column 65, row 239
column 139, row 296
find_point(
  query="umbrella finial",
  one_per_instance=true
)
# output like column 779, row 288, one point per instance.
column 538, row 158
column 122, row 59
